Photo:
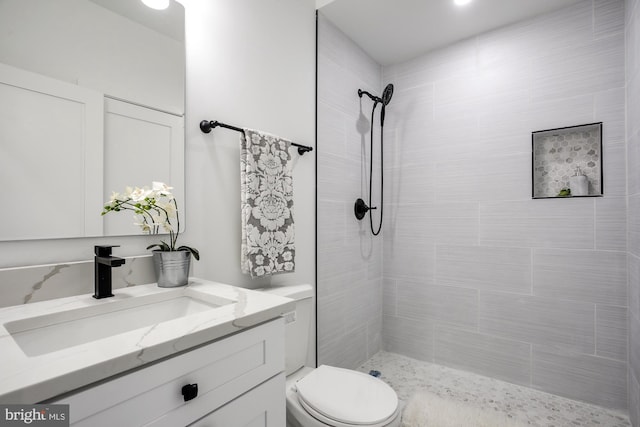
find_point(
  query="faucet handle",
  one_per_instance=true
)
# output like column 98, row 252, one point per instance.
column 103, row 250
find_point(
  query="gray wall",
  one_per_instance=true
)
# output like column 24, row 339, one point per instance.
column 270, row 86
column 477, row 275
column 633, row 160
column 260, row 77
column 349, row 257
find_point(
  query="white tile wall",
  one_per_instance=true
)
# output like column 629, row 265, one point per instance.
column 476, row 275
column 484, row 268
column 344, row 350
column 409, row 256
column 484, row 354
column 597, row 65
column 547, row 223
column 558, row 324
column 615, row 179
column 611, row 332
column 632, row 38
column 411, row 337
column 349, row 258
column 608, row 18
column 633, row 224
column 454, row 305
column 599, row 380
column 634, row 337
column 536, row 289
column 599, row 277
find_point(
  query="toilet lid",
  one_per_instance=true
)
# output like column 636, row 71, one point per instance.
column 347, row 397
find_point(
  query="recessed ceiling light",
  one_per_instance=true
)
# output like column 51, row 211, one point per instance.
column 461, row 2
column 159, row 4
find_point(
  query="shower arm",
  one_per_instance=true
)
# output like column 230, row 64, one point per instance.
column 374, row 98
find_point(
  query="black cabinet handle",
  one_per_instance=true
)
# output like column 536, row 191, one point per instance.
column 190, row 391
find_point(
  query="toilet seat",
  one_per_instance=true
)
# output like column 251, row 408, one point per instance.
column 346, row 398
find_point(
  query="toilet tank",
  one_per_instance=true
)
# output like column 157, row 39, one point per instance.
column 297, row 324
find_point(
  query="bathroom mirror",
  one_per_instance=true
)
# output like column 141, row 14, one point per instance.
column 91, row 101
column 567, row 162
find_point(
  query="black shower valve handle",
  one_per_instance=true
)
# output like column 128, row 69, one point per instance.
column 360, row 209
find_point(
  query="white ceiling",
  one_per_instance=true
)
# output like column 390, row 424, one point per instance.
column 169, row 22
column 392, row 31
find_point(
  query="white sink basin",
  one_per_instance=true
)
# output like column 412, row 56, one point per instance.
column 48, row 348
column 47, row 333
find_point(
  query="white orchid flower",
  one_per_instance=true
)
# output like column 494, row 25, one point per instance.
column 139, row 194
column 161, row 189
column 144, row 226
column 169, row 208
column 156, row 209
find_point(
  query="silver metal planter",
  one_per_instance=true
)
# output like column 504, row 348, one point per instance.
column 172, row 268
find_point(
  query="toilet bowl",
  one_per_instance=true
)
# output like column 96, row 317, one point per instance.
column 327, row 395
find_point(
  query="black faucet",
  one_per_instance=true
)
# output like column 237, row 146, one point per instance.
column 102, row 266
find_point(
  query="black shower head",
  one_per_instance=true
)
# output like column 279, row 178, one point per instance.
column 386, row 98
column 387, row 94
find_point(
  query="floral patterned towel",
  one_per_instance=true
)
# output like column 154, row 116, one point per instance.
column 266, row 188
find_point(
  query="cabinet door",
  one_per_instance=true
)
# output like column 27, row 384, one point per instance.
column 152, row 395
column 264, row 406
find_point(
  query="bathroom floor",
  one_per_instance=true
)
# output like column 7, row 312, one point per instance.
column 534, row 407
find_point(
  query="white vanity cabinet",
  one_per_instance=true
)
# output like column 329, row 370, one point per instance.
column 240, row 381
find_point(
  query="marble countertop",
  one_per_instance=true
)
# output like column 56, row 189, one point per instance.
column 31, row 379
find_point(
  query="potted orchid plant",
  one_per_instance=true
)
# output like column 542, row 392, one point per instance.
column 156, row 212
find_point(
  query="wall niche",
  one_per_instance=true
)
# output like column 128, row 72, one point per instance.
column 567, row 162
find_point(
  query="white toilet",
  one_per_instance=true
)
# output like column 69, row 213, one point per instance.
column 328, row 396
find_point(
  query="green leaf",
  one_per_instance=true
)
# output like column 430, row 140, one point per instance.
column 193, row 251
column 162, row 246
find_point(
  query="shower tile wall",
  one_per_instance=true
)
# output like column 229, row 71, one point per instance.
column 479, row 276
column 349, row 258
column 633, row 160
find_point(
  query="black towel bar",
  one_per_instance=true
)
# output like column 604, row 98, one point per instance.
column 207, row 125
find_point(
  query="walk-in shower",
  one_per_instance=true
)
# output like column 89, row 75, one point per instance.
column 360, row 207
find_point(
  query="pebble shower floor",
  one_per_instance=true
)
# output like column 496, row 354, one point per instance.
column 532, row 407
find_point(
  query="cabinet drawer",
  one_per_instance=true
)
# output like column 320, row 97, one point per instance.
column 222, row 370
column 264, row 406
